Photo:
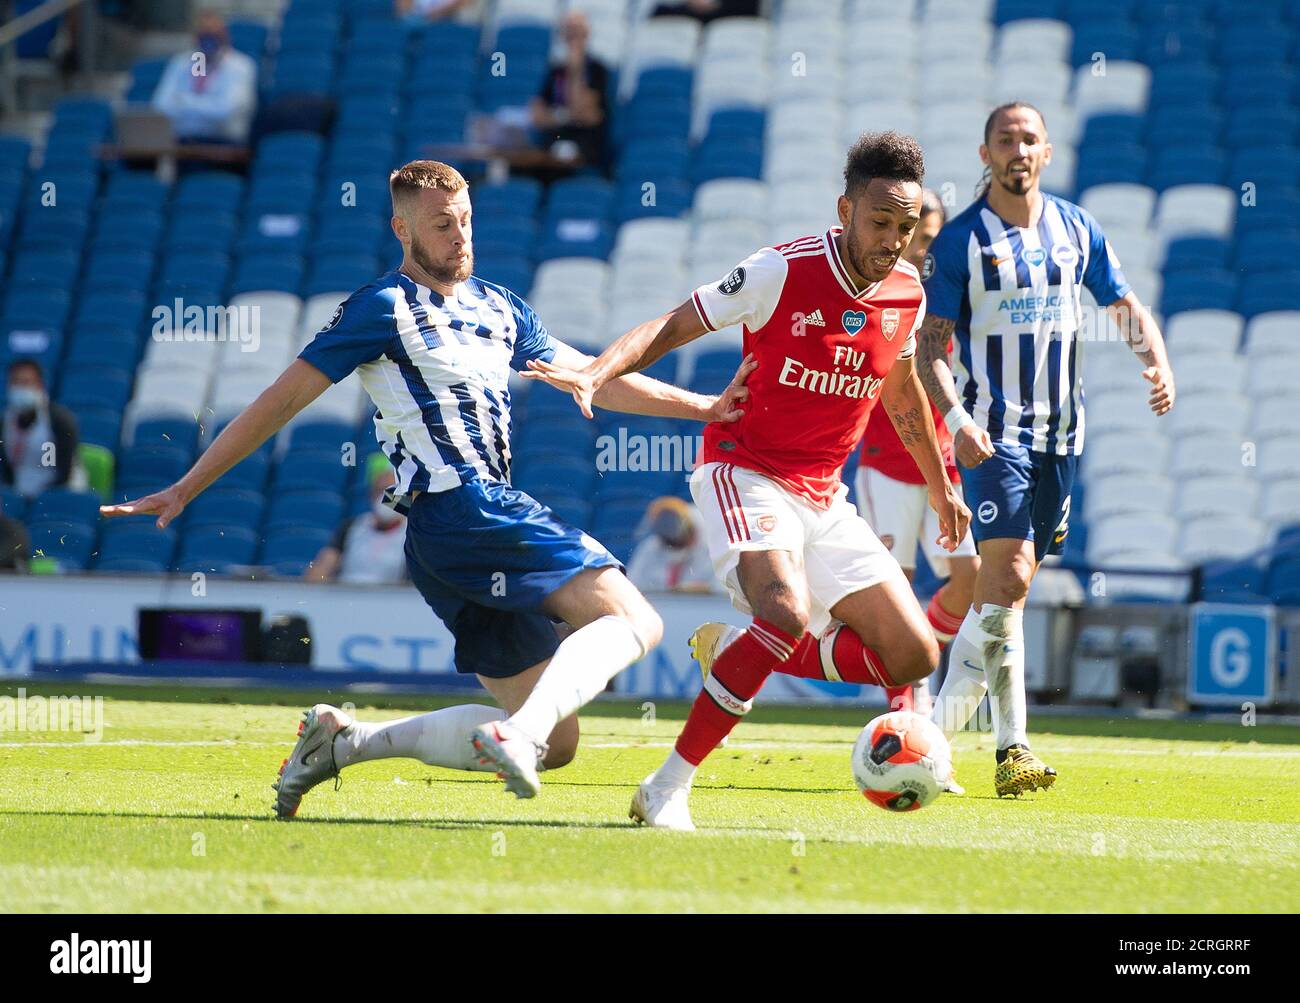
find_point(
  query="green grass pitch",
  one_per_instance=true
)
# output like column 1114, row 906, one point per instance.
column 171, row 811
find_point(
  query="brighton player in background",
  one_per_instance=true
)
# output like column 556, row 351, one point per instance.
column 433, row 347
column 1005, row 279
column 830, row 320
column 891, row 496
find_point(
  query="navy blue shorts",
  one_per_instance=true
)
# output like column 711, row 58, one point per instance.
column 1020, row 494
column 485, row 556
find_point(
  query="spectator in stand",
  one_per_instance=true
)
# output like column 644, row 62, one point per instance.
column 705, row 11
column 673, row 556
column 209, row 100
column 571, row 106
column 15, row 546
column 38, row 440
column 424, row 11
column 370, row 549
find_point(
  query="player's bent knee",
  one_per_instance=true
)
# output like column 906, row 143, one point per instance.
column 562, row 745
column 914, row 663
column 791, row 617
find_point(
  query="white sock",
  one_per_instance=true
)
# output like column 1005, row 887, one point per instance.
column 1004, row 663
column 440, row 738
column 675, row 772
column 578, row 672
column 966, row 682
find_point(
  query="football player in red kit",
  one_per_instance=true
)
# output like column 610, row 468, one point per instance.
column 830, row 320
column 891, row 496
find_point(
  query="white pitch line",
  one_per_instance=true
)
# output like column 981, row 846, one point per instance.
column 753, row 746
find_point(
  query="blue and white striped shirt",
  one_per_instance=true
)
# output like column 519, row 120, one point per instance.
column 437, row 368
column 1015, row 294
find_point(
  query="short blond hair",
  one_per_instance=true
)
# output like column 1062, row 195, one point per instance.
column 423, row 174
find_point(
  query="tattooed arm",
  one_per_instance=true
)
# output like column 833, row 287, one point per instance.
column 1140, row 330
column 970, row 442
column 904, row 401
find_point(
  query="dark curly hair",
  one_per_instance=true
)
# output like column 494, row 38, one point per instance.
column 889, row 155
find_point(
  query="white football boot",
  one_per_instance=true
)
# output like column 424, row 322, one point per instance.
column 514, row 755
column 706, row 645
column 661, row 807
column 312, row 759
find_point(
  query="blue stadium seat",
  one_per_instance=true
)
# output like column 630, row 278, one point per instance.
column 99, row 426
column 157, row 462
column 210, row 191
column 118, row 309
column 1284, row 580
column 248, row 474
column 655, row 160
column 1018, row 10
column 64, row 505
column 1267, row 167
column 1207, row 289
column 1182, row 125
column 516, row 197
column 198, row 268
column 290, row 551
column 180, row 433
column 576, row 238
column 311, row 508
column 37, row 268
column 131, row 228
column 15, row 154
column 249, row 37
column 1268, row 292
column 145, row 77
column 543, row 473
column 1273, row 212
column 381, row 77
column 135, row 545
column 45, row 308
column 1258, row 42
column 726, row 161
column 1113, row 165
column 1252, row 126
column 268, row 271
column 89, row 115
column 214, row 549
column 1193, row 85
column 1117, row 40
column 129, row 270
column 330, row 273
column 1185, row 165
column 219, row 506
column 102, row 345
column 745, row 124
column 1177, row 41
column 321, row 435
column 25, row 341
column 1233, row 581
column 135, row 189
column 310, row 72
column 570, row 508
column 1187, row 253
column 350, row 231
column 1243, row 84
column 668, row 199
column 55, row 228
column 294, row 150
column 322, row 469
column 579, row 198
column 449, row 37
column 70, row 544
column 190, row 232
column 1267, row 252
column 1113, row 130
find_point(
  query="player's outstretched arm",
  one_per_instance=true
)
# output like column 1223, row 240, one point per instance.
column 1141, row 331
column 970, row 442
column 637, row 394
column 904, row 401
column 297, row 387
column 642, row 346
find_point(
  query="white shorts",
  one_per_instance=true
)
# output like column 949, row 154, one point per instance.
column 744, row 510
column 901, row 515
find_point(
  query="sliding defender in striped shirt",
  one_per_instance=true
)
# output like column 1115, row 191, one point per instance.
column 1004, row 279
column 434, row 346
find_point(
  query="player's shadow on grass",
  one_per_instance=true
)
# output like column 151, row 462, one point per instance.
column 553, row 782
column 424, row 823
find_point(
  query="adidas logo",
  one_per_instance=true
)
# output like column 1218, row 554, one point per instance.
column 815, row 319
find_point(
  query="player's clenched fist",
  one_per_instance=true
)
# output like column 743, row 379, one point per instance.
column 1162, row 388
column 954, row 517
column 972, row 446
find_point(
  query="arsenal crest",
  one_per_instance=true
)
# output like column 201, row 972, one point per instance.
column 766, row 523
column 889, row 323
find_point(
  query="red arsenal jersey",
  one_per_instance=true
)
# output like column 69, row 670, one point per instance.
column 883, row 450
column 824, row 347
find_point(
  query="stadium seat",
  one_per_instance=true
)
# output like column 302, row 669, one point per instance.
column 308, row 507
column 69, row 544
column 1195, row 209
column 216, row 549
column 132, row 544
column 65, row 505
column 1227, row 497
column 1267, row 293
column 1219, row 536
column 1203, row 332
column 1283, row 582
column 1217, row 455
column 1269, row 334
column 291, row 550
column 1124, row 494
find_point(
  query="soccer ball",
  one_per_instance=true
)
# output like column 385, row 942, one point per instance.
column 901, row 761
